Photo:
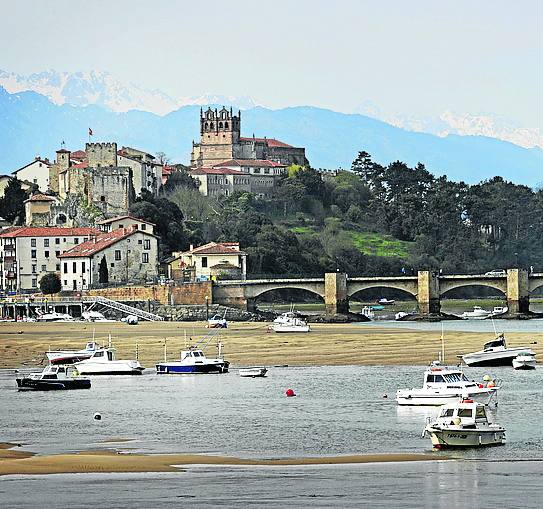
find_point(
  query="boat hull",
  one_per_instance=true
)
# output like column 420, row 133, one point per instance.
column 524, row 365
column 253, row 372
column 58, row 358
column 415, row 398
column 461, row 438
column 172, row 368
column 505, row 360
column 29, row 384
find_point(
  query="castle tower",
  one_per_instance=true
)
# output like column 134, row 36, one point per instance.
column 101, row 154
column 61, row 164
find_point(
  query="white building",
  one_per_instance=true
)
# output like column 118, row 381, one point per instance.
column 146, row 172
column 27, row 254
column 129, row 254
column 108, row 225
column 36, row 172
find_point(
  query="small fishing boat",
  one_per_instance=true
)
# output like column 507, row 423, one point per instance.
column 386, row 302
column 103, row 362
column 499, row 310
column 53, row 378
column 368, row 312
column 255, row 372
column 289, row 322
column 71, row 356
column 478, row 313
column 464, row 423
column 193, row 360
column 54, row 317
column 217, row 322
column 94, row 316
column 524, row 360
column 495, row 353
column 442, row 384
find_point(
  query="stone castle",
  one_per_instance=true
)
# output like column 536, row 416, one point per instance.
column 221, row 140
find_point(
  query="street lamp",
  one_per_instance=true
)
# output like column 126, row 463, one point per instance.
column 207, row 308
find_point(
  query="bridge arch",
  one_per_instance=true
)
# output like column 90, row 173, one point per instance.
column 354, row 288
column 256, row 292
column 447, row 286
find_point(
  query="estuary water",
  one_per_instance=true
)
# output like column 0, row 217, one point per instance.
column 338, row 410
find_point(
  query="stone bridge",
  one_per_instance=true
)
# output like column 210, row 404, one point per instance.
column 427, row 287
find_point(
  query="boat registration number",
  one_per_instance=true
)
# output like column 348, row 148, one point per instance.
column 457, row 435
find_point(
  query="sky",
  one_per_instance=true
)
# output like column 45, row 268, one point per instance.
column 410, row 57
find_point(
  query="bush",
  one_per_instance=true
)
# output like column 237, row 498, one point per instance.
column 50, row 283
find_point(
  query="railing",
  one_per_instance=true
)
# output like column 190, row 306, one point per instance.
column 118, row 306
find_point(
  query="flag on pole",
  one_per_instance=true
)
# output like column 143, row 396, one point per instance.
column 90, row 131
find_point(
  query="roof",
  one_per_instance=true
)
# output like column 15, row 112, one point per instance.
column 216, row 171
column 119, row 218
column 100, row 242
column 40, row 197
column 227, row 248
column 83, row 164
column 259, row 163
column 79, row 154
column 51, row 231
column 63, row 151
column 271, row 142
column 36, row 160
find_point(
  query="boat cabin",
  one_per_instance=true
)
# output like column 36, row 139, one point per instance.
column 499, row 342
column 451, row 378
column 192, row 356
column 104, row 355
column 467, row 413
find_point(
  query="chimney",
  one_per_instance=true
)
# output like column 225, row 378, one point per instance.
column 191, row 248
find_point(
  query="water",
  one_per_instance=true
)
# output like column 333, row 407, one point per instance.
column 339, row 410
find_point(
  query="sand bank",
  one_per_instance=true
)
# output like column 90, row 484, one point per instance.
column 110, row 461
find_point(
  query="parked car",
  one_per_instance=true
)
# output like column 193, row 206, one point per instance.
column 496, row 272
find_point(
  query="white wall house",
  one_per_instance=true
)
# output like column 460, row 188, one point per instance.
column 36, row 172
column 27, row 254
column 108, row 225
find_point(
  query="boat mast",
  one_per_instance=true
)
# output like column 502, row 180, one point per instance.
column 165, row 349
column 442, row 360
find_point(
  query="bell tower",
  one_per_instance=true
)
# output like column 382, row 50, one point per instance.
column 219, row 127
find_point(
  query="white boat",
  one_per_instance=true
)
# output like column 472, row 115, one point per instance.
column 253, row 372
column 442, row 384
column 495, row 353
column 54, row 317
column 478, row 313
column 71, row 356
column 368, row 312
column 130, row 320
column 289, row 322
column 524, row 360
column 94, row 316
column 499, row 310
column 464, row 423
column 400, row 315
column 103, row 362
column 53, row 378
column 385, row 302
column 217, row 322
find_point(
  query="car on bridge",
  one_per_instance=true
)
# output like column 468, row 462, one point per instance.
column 496, row 272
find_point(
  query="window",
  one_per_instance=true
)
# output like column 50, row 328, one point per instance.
column 144, row 227
column 74, row 267
column 83, row 267
column 98, row 354
column 46, row 254
column 34, row 269
column 44, row 268
column 117, row 255
column 140, row 241
column 32, row 242
column 145, row 257
column 147, row 244
column 57, row 241
column 33, row 253
column 57, row 253
column 45, row 242
column 112, row 265
column 204, row 261
column 58, row 267
column 121, row 226
column 76, row 240
column 34, row 283
column 84, row 282
column 65, row 282
column 102, row 198
column 65, row 268
column 75, row 285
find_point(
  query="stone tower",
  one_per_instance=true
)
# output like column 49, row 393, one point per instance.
column 101, row 154
column 61, row 164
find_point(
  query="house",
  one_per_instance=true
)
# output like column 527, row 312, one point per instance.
column 128, row 221
column 254, row 166
column 38, row 209
column 27, row 254
column 220, row 181
column 120, row 256
column 35, row 172
column 213, row 260
column 146, row 171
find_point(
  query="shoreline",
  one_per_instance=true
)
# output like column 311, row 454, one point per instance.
column 27, row 463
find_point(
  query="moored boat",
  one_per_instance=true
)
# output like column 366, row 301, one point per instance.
column 464, row 423
column 386, row 302
column 94, row 316
column 103, row 362
column 53, row 378
column 71, row 356
column 217, row 322
column 255, row 372
column 524, row 360
column 289, row 322
column 478, row 313
column 495, row 353
column 54, row 317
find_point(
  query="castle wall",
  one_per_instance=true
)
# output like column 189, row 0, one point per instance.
column 101, row 154
column 111, row 190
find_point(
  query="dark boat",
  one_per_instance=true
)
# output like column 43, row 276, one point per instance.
column 53, row 378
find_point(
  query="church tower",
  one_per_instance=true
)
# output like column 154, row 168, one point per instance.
column 219, row 127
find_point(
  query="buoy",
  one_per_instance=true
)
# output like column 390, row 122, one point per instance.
column 289, row 393
column 385, row 396
column 97, row 416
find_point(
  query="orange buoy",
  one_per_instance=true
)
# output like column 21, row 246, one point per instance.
column 289, row 393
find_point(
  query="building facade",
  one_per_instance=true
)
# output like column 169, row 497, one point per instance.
column 221, row 181
column 27, row 254
column 36, row 172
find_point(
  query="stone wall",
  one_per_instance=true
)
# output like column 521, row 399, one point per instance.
column 111, row 190
column 101, row 154
column 192, row 293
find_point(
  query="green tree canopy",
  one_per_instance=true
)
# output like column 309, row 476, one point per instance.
column 50, row 283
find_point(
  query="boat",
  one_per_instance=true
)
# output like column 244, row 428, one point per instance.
column 54, row 317
column 368, row 312
column 524, row 360
column 385, row 302
column 53, row 378
column 217, row 322
column 499, row 310
column 193, row 359
column 71, row 356
column 495, row 353
column 103, row 362
column 442, row 384
column 478, row 313
column 463, row 423
column 94, row 316
column 292, row 325
column 130, row 320
column 402, row 315
column 256, row 372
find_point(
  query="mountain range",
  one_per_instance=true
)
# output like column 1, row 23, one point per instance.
column 32, row 124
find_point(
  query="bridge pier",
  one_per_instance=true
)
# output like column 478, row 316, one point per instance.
column 518, row 292
column 336, row 298
column 428, row 293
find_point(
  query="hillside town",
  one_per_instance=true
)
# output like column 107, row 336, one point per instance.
column 77, row 221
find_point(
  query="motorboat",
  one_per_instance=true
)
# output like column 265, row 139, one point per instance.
column 386, row 302
column 194, row 360
column 130, row 320
column 103, row 362
column 217, row 322
column 54, row 317
column 524, row 360
column 495, row 353
column 464, row 423
column 94, row 316
column 71, row 356
column 291, row 325
column 256, row 372
column 402, row 315
column 442, row 384
column 478, row 313
column 499, row 310
column 368, row 312
column 53, row 378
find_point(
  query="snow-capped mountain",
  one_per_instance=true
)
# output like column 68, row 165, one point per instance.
column 103, row 89
column 464, row 124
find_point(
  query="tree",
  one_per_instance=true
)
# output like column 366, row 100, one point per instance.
column 103, row 273
column 12, row 203
column 50, row 283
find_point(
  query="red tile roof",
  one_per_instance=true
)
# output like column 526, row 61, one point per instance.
column 40, row 197
column 78, row 154
column 216, row 171
column 83, row 164
column 254, row 163
column 52, row 231
column 271, row 142
column 98, row 243
column 217, row 248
